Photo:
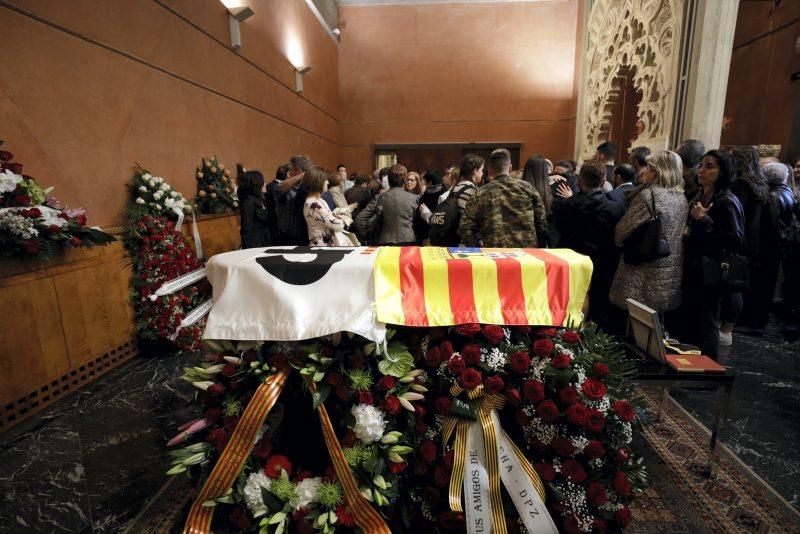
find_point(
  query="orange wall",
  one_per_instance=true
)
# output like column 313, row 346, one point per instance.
column 761, row 99
column 458, row 73
column 96, row 85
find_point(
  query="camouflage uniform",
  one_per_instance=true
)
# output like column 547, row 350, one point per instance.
column 505, row 213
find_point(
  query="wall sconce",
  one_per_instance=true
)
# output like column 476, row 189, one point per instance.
column 298, row 78
column 235, row 16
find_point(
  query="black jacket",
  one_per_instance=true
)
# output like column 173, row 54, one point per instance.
column 721, row 232
column 585, row 223
column 751, row 208
column 778, row 213
column 254, row 223
column 618, row 194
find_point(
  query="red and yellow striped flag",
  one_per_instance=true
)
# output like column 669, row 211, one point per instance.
column 435, row 286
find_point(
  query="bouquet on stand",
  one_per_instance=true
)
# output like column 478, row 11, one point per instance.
column 561, row 395
column 33, row 224
column 216, row 190
column 159, row 254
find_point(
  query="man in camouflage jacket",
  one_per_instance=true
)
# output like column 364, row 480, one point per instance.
column 506, row 212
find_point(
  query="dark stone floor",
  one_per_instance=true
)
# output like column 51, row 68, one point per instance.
column 763, row 426
column 90, row 463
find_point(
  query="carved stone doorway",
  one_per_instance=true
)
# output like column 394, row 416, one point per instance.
column 623, row 102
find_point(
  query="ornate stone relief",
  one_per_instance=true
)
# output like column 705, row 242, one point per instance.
column 637, row 35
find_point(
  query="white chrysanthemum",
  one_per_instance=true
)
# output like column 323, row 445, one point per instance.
column 370, row 422
column 9, row 181
column 139, row 200
column 252, row 492
column 143, row 189
column 307, row 491
column 51, row 217
column 165, row 187
column 173, row 194
column 147, row 176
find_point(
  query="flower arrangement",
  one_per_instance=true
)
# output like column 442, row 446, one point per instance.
column 568, row 404
column 567, row 400
column 216, row 191
column 32, row 223
column 159, row 254
column 154, row 196
column 372, row 399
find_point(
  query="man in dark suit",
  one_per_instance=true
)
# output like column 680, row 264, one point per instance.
column 623, row 181
column 585, row 222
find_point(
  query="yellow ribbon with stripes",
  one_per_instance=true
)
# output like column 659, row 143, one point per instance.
column 486, row 405
column 241, row 443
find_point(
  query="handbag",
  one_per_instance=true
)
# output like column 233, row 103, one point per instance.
column 731, row 273
column 648, row 242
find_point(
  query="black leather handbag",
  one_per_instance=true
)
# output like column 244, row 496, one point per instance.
column 648, row 242
column 731, row 273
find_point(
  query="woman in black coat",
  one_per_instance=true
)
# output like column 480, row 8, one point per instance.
column 252, row 211
column 716, row 231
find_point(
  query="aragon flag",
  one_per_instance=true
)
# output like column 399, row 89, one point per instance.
column 435, row 286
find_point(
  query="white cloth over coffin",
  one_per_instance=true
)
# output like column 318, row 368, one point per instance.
column 291, row 296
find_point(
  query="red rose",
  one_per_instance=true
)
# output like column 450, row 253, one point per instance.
column 623, row 517
column 621, row 484
column 513, row 397
column 396, row 469
column 229, row 370
column 30, row 246
column 571, row 337
column 469, row 329
column 597, row 493
column 75, row 241
column 596, row 421
column 493, row 384
column 334, row 378
column 548, row 411
column 545, row 471
column 446, row 349
column 16, row 168
column 275, row 464
column 216, row 389
column 549, row 332
column 573, row 471
column 471, row 354
column 456, row 364
column 561, row 361
column 6, row 156
column 520, row 362
column 593, row 389
column 599, row 525
column 441, row 475
column 562, row 446
column 578, row 414
column 622, row 456
column 571, row 525
column 533, row 390
column 594, row 449
column 433, row 357
column 344, row 516
column 600, row 370
column 392, row 405
column 470, row 379
column 365, row 397
column 623, row 410
column 218, row 438
column 543, row 347
column 568, row 395
column 493, row 334
column 442, row 405
column 427, row 450
column 80, row 219
column 386, row 383
column 420, row 410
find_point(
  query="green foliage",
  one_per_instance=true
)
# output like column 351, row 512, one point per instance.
column 216, row 192
column 398, row 360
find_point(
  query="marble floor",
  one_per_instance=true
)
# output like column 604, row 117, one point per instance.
column 90, row 463
column 763, row 426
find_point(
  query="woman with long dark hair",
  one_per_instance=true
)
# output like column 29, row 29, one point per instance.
column 716, row 232
column 536, row 173
column 253, row 214
column 750, row 187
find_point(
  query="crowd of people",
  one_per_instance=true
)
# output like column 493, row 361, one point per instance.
column 698, row 236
